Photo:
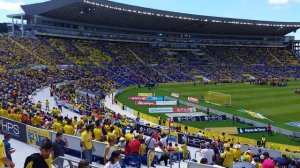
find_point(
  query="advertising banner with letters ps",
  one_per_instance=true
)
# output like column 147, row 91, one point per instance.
column 148, row 130
column 137, row 98
column 199, row 118
column 192, row 141
column 175, row 95
column 193, row 99
column 213, row 118
column 17, row 130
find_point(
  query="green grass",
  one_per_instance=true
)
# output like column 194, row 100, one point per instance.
column 278, row 104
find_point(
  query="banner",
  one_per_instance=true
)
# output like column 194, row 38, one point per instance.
column 137, row 98
column 213, row 118
column 192, row 141
column 193, row 99
column 17, row 130
column 161, row 110
column 251, row 130
column 199, row 118
column 36, row 135
column 146, row 94
column 160, row 98
column 145, row 103
column 155, row 103
column 172, row 110
column 147, row 130
column 165, row 103
column 175, row 95
column 184, row 110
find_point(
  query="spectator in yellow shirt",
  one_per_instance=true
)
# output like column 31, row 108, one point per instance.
column 111, row 134
column 86, row 141
column 3, row 158
column 237, row 152
column 37, row 120
column 228, row 157
column 42, row 159
column 57, row 126
column 69, row 128
column 129, row 136
column 98, row 132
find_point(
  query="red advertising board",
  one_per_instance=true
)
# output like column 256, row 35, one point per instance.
column 184, row 110
column 145, row 103
column 137, row 98
column 193, row 99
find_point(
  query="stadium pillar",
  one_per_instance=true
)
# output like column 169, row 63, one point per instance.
column 13, row 25
column 22, row 22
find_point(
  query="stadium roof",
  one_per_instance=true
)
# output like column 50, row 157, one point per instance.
column 107, row 13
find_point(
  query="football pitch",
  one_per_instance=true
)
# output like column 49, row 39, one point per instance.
column 280, row 105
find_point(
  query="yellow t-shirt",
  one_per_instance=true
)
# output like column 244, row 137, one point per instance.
column 55, row 112
column 48, row 161
column 47, row 103
column 129, row 137
column 2, row 153
column 111, row 135
column 228, row 158
column 142, row 149
column 98, row 134
column 69, row 130
column 237, row 153
column 18, row 117
column 86, row 140
column 57, row 127
column 37, row 120
column 4, row 113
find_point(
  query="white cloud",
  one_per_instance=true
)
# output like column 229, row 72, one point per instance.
column 281, row 2
column 10, row 6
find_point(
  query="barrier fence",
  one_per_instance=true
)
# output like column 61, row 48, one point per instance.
column 34, row 136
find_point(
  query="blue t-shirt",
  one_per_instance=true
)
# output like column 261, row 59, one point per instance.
column 7, row 148
column 59, row 148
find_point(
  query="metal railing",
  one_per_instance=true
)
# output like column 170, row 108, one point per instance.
column 65, row 162
column 170, row 157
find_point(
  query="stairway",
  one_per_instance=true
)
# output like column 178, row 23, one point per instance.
column 274, row 57
column 140, row 60
column 44, row 62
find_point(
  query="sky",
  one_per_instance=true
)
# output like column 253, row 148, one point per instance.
column 271, row 10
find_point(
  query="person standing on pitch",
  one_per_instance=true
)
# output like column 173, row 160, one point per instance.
column 269, row 129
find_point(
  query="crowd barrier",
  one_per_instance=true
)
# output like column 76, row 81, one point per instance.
column 34, row 136
column 197, row 165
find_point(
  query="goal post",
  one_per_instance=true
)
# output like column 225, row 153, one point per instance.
column 217, row 98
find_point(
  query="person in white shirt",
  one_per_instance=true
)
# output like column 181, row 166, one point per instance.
column 207, row 153
column 114, row 160
column 164, row 139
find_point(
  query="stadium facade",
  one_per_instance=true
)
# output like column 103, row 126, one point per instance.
column 106, row 20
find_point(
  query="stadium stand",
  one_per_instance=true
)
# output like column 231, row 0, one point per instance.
column 103, row 49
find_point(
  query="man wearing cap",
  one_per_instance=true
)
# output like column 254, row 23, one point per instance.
column 237, row 152
column 207, row 153
column 227, row 156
